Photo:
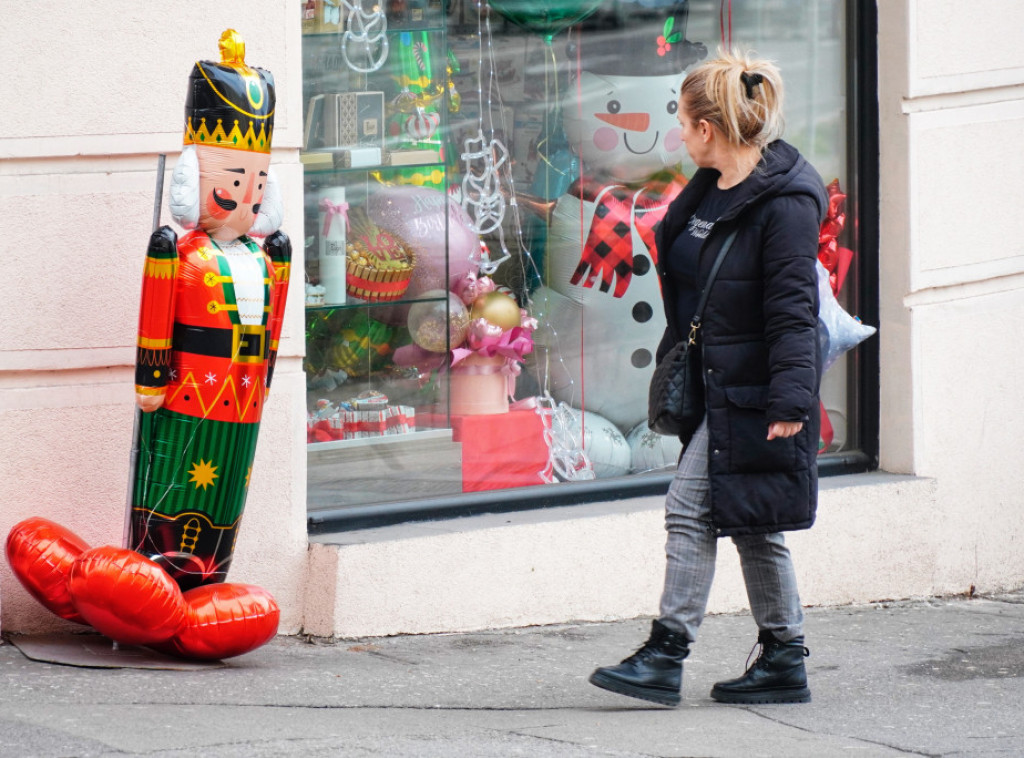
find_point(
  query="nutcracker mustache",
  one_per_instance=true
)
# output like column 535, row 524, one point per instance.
column 230, row 205
column 223, row 202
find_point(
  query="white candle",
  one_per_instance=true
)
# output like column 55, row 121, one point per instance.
column 333, row 223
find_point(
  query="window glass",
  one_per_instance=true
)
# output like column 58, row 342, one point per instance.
column 517, row 156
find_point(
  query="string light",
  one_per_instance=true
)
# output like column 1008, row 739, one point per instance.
column 487, row 167
column 368, row 32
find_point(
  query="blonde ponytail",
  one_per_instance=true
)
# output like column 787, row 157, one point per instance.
column 740, row 95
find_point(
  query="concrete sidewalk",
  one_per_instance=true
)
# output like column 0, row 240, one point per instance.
column 937, row 677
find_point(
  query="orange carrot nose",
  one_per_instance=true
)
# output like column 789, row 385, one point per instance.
column 633, row 122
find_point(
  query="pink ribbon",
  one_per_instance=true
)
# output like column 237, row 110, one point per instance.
column 487, row 341
column 332, row 209
column 470, row 287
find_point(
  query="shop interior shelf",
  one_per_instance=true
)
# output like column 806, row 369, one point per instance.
column 423, row 435
column 316, row 164
column 352, row 305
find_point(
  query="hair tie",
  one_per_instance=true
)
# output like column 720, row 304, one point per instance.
column 750, row 81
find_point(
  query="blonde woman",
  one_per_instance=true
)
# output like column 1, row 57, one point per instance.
column 749, row 471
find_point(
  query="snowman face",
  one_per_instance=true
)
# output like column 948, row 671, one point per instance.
column 624, row 127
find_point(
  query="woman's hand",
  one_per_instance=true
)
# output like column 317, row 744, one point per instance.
column 780, row 429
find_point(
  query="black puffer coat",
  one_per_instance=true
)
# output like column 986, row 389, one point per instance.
column 759, row 341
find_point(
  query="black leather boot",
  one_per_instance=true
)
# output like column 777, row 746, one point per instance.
column 777, row 676
column 654, row 672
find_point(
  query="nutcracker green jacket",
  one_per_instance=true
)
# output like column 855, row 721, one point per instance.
column 759, row 343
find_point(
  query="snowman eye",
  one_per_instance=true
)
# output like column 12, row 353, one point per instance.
column 614, row 106
column 673, row 106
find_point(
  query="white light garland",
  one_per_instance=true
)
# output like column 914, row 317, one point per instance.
column 370, row 33
column 481, row 186
column 567, row 457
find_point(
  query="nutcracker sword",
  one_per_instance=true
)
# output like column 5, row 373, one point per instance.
column 133, row 463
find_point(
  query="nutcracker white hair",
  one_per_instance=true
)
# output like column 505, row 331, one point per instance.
column 184, row 197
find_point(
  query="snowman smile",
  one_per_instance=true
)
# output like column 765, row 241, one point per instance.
column 625, row 141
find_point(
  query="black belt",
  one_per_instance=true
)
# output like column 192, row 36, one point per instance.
column 246, row 343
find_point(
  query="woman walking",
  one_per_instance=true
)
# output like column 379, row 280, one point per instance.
column 749, row 470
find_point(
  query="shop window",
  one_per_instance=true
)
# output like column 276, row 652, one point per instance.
column 481, row 185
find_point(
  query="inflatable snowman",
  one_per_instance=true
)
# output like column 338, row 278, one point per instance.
column 601, row 282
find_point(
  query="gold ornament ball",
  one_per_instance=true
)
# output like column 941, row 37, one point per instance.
column 497, row 308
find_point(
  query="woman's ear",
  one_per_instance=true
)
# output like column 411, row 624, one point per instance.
column 184, row 193
column 704, row 127
column 271, row 213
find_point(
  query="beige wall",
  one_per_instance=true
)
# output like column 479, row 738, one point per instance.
column 951, row 100
column 89, row 100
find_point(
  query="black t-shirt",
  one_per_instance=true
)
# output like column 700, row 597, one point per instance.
column 684, row 255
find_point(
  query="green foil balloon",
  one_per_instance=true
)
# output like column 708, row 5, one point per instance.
column 547, row 18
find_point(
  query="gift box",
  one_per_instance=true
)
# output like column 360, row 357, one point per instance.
column 353, row 425
column 481, row 385
column 499, row 451
column 353, row 119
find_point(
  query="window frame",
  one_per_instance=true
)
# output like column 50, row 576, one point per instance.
column 863, row 138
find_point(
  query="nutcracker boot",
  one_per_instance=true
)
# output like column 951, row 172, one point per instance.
column 654, row 672
column 777, row 676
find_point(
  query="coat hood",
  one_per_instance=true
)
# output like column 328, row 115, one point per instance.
column 781, row 171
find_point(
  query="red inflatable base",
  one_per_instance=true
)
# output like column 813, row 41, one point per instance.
column 132, row 600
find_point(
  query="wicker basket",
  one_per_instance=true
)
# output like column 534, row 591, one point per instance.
column 380, row 264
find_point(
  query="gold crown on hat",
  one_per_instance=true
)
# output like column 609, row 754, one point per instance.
column 230, row 104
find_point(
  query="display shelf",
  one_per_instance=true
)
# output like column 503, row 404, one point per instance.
column 320, row 163
column 419, row 436
column 373, row 138
column 360, row 304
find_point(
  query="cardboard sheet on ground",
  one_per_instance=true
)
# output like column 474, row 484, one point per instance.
column 97, row 651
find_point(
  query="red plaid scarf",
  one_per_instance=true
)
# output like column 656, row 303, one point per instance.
column 609, row 246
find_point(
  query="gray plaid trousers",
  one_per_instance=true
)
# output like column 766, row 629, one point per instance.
column 692, row 545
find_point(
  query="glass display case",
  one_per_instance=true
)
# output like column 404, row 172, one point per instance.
column 482, row 181
column 376, row 248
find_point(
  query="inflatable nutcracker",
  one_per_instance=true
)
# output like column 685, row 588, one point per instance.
column 210, row 320
column 621, row 121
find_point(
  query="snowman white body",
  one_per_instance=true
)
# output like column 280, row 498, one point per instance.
column 600, row 347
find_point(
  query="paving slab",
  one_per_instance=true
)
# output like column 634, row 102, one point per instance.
column 938, row 677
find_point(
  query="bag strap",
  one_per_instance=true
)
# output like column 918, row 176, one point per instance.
column 696, row 320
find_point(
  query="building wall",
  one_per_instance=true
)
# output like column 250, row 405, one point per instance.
column 89, row 101
column 951, row 101
column 90, row 104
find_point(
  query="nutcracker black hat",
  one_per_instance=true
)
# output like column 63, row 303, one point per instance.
column 230, row 104
column 639, row 38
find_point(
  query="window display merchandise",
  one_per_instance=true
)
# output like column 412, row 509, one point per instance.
column 506, row 212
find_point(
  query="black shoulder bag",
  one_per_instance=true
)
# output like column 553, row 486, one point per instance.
column 675, row 402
